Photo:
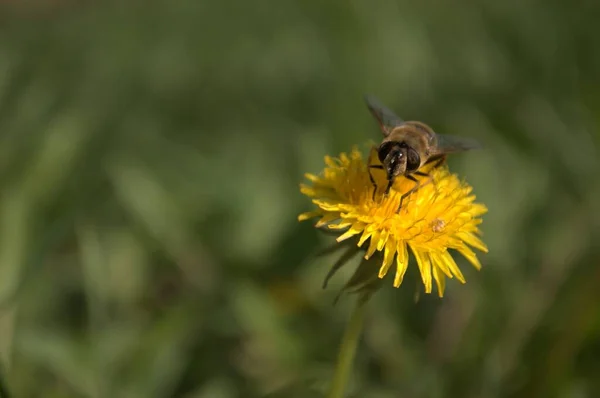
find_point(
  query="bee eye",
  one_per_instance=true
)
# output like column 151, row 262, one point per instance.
column 413, row 160
column 384, row 150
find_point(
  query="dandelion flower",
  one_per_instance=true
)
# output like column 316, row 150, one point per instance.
column 438, row 217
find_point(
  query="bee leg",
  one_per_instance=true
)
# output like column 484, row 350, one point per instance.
column 422, row 174
column 374, row 166
column 429, row 176
column 389, row 186
column 406, row 194
column 438, row 161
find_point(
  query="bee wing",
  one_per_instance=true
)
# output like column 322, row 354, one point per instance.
column 387, row 119
column 451, row 144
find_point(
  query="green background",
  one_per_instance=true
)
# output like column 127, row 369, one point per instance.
column 150, row 156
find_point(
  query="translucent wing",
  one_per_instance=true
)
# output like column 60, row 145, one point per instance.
column 385, row 117
column 451, row 144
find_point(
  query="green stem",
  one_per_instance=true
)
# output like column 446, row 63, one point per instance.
column 347, row 350
column 3, row 388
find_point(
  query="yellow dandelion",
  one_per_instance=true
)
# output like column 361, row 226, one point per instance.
column 439, row 216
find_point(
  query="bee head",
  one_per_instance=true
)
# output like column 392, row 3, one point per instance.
column 393, row 157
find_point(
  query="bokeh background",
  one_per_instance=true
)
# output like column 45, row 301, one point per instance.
column 150, row 156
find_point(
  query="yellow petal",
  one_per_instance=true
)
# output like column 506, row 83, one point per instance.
column 355, row 229
column 438, row 262
column 401, row 263
column 478, row 209
column 328, row 204
column 469, row 255
column 382, row 239
column 472, row 240
column 340, row 225
column 424, row 264
column 344, row 159
column 446, row 257
column 326, row 219
column 363, row 238
column 440, row 281
column 308, row 215
column 330, row 162
column 388, row 256
column 311, row 177
column 372, row 245
column 308, row 191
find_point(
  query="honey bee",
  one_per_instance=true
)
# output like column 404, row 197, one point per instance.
column 408, row 146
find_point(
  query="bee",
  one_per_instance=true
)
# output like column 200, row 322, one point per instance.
column 408, row 146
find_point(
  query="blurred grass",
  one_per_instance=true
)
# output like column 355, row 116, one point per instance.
column 150, row 156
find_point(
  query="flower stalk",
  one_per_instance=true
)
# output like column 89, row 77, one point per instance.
column 347, row 351
column 3, row 388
